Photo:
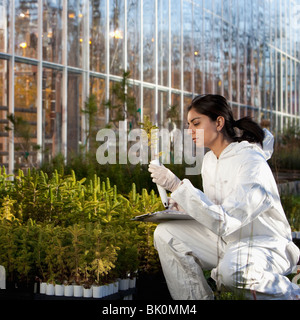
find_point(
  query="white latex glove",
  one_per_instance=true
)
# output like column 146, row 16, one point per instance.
column 164, row 177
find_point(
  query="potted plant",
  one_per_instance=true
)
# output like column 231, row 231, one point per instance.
column 24, row 262
column 75, row 256
column 60, row 246
column 59, row 289
column 68, row 288
column 103, row 262
column 50, row 257
column 126, row 264
column 87, row 282
column 8, row 251
column 41, row 241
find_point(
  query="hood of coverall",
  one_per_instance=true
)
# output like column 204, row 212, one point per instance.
column 268, row 144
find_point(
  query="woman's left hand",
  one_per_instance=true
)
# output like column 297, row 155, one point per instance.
column 173, row 205
column 164, row 177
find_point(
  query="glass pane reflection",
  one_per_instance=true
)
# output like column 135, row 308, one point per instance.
column 52, row 113
column 75, row 32
column 4, row 25
column 149, row 40
column 246, row 50
column 25, row 132
column 52, row 31
column 116, row 37
column 26, row 33
column 97, row 35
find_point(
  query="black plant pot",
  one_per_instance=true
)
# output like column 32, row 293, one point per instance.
column 152, row 287
column 18, row 291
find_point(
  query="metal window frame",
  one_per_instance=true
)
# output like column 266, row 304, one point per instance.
column 283, row 9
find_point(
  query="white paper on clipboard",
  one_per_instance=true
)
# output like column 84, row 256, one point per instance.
column 161, row 216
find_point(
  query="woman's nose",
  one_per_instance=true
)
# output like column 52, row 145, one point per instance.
column 190, row 130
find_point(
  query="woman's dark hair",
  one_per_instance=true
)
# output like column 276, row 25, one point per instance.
column 214, row 106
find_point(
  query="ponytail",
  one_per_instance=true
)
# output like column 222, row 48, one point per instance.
column 251, row 131
column 214, row 106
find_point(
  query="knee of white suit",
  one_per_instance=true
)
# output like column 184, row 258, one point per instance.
column 232, row 275
column 163, row 234
column 157, row 236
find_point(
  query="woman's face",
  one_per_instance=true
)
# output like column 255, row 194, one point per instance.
column 209, row 133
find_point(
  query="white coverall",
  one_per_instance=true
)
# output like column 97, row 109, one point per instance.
column 240, row 230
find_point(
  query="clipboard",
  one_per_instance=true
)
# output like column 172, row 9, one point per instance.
column 161, row 216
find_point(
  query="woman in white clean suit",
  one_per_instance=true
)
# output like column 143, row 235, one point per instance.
column 240, row 231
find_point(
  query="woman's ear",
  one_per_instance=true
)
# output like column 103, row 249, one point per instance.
column 220, row 122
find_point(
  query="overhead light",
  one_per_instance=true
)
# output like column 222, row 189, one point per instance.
column 117, row 34
column 23, row 45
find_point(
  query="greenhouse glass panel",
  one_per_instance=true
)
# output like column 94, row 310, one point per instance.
column 52, row 113
column 116, row 37
column 149, row 40
column 98, row 35
column 25, row 115
column 133, row 38
column 176, row 44
column 3, row 112
column 26, row 28
column 4, row 25
column 163, row 42
column 75, row 33
column 52, row 31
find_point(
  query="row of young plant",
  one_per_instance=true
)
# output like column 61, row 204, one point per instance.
column 62, row 230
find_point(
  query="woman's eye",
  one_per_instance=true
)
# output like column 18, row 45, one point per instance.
column 196, row 124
